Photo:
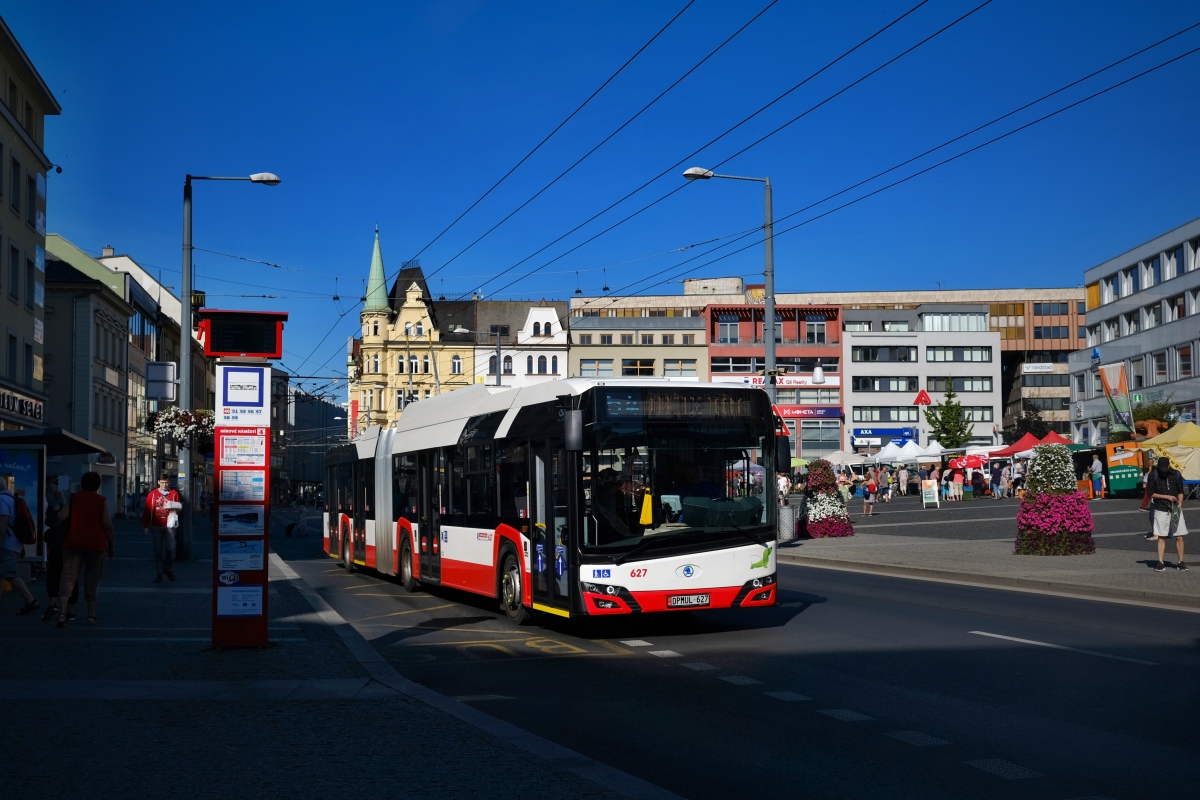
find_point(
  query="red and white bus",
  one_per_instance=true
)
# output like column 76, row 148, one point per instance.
column 573, row 497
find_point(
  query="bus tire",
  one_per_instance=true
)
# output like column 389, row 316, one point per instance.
column 407, row 580
column 512, row 596
column 348, row 551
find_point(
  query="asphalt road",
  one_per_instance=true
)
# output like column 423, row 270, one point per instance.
column 1120, row 522
column 855, row 686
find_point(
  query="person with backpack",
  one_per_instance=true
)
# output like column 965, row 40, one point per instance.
column 16, row 530
column 160, row 521
column 1165, row 485
column 90, row 537
column 869, row 489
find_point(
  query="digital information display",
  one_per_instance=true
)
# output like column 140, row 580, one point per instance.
column 243, row 335
column 679, row 404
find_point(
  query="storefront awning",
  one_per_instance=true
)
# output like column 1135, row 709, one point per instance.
column 57, row 441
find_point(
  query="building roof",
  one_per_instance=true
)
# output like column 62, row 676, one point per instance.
column 409, row 274
column 16, row 54
column 377, row 298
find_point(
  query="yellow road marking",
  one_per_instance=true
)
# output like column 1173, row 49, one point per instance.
column 615, row 648
column 466, row 649
column 411, row 611
column 469, row 641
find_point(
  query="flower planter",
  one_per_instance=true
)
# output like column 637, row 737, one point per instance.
column 1054, row 518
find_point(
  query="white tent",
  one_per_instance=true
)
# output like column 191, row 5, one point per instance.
column 841, row 458
column 889, row 453
column 934, row 450
column 911, row 451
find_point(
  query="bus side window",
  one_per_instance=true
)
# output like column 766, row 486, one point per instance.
column 479, row 491
column 456, row 502
column 512, row 474
column 404, row 488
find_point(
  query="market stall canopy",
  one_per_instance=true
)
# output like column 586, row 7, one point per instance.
column 1054, row 438
column 1026, row 442
column 57, row 441
column 1181, row 444
column 888, row 453
column 911, row 451
column 968, row 462
column 841, row 458
column 933, row 451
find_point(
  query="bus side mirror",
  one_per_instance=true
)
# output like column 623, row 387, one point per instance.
column 783, row 454
column 573, row 422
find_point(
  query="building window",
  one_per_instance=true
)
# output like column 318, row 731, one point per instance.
column 895, row 325
column 1051, row 332
column 626, row 338
column 981, row 384
column 1062, row 380
column 958, row 321
column 1176, row 308
column 15, row 185
column 606, row 338
column 1051, row 309
column 814, row 331
column 14, row 274
column 399, row 365
column 508, row 365
column 412, row 364
column 420, row 329
column 28, row 366
column 727, row 329
column 492, row 365
column 499, row 329
column 30, row 200
column 978, row 413
column 885, row 414
column 819, row 397
column 10, row 362
column 668, row 338
column 585, row 338
column 637, row 367
column 1183, row 361
column 858, row 327
column 528, row 365
column 819, row 437
column 374, row 328
column 679, row 367
column 1154, row 272
column 883, row 383
column 1082, row 332
column 1109, row 289
column 595, row 368
column 647, row 338
column 537, row 329
column 425, row 364
column 456, row 365
column 1160, row 367
column 553, row 365
column 541, row 365
column 1153, row 315
column 958, row 354
column 883, row 354
column 408, row 329
column 689, row 338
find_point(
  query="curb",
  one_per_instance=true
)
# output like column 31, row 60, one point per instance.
column 1076, row 590
column 381, row 670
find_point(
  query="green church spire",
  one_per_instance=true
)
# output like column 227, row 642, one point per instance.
column 377, row 298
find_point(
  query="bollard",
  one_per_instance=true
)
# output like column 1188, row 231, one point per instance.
column 787, row 524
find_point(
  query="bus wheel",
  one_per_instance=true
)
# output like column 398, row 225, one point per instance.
column 348, row 553
column 511, row 595
column 407, row 580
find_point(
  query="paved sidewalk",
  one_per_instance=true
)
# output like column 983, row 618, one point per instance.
column 1110, row 574
column 144, row 707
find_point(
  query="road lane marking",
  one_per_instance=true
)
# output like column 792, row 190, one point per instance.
column 788, row 697
column 618, row 650
column 1071, row 649
column 699, row 666
column 739, row 680
column 916, row 738
column 468, row 650
column 636, row 643
column 1004, row 769
column 845, row 715
column 475, row 698
column 665, row 653
column 410, row 611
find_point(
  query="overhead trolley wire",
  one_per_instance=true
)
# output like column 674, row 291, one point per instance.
column 605, row 140
column 557, row 128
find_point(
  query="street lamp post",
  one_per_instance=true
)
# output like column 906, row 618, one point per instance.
column 460, row 330
column 184, row 543
column 699, row 173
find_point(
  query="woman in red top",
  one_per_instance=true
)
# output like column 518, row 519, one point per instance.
column 91, row 537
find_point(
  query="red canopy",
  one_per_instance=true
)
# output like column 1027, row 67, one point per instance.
column 1026, row 442
column 1053, row 438
column 968, row 462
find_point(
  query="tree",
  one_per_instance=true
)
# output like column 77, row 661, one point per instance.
column 1161, row 410
column 947, row 422
column 1029, row 422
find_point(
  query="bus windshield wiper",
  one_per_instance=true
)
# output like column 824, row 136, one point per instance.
column 646, row 542
column 740, row 530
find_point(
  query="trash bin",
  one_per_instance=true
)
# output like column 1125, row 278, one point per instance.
column 787, row 523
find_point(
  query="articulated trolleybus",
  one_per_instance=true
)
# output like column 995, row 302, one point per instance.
column 572, row 497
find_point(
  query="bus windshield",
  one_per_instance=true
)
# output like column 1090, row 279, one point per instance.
column 695, row 476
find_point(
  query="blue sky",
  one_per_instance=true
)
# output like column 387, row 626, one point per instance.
column 402, row 114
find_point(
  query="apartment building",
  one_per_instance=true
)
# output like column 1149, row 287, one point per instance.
column 25, row 102
column 532, row 337
column 1142, row 311
column 892, row 354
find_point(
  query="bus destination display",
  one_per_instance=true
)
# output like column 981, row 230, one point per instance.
column 675, row 404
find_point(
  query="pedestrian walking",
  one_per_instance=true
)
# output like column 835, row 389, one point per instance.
column 997, row 471
column 11, row 547
column 160, row 521
column 1097, row 471
column 57, row 527
column 90, row 538
column 785, row 488
column 1166, row 496
column 870, row 487
column 902, row 479
column 1146, row 505
column 1006, row 481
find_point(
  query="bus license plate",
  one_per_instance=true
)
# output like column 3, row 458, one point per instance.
column 686, row 600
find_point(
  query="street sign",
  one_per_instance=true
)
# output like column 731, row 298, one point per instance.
column 922, row 399
column 161, row 381
column 1137, row 398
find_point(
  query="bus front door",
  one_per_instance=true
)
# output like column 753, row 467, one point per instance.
column 429, row 529
column 551, row 557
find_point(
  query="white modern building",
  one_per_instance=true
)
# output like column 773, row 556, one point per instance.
column 1142, row 309
column 890, row 356
column 533, row 341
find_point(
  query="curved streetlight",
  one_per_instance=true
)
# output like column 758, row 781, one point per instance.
column 700, row 173
column 461, row 330
column 184, row 543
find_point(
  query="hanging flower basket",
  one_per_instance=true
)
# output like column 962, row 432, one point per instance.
column 182, row 427
column 825, row 512
column 1054, row 518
